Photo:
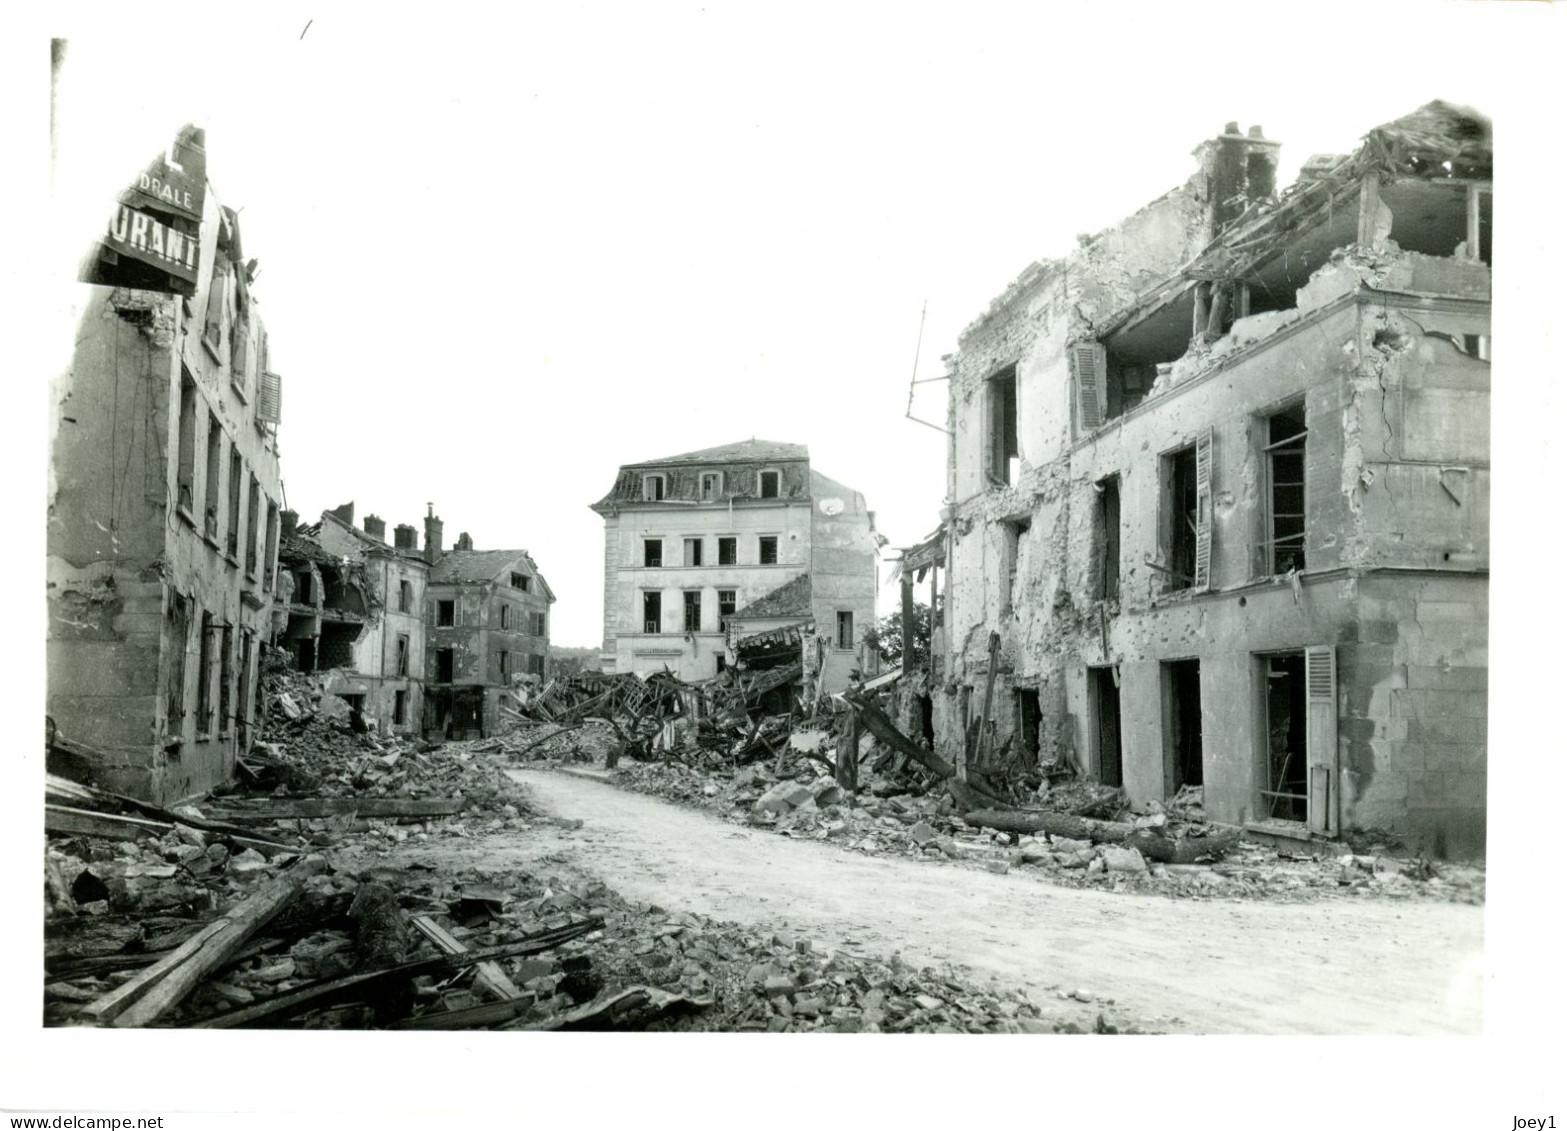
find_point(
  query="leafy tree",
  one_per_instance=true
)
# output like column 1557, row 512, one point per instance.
column 889, row 636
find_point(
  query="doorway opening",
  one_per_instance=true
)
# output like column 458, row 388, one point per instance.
column 1104, row 710
column 1183, row 723
column 1284, row 792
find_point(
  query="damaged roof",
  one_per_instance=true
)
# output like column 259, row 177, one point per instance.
column 457, row 567
column 749, row 450
column 791, row 599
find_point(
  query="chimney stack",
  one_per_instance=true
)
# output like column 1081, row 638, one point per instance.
column 344, row 512
column 1240, row 169
column 290, row 520
column 463, row 542
column 407, row 537
column 375, row 527
column 433, row 529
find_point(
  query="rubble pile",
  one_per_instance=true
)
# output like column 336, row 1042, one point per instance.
column 411, row 948
column 886, row 819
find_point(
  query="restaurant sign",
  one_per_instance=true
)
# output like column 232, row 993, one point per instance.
column 153, row 236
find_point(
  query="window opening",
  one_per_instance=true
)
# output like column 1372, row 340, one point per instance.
column 179, row 646
column 652, row 488
column 693, row 611
column 236, row 479
column 405, row 596
column 693, row 551
column 505, row 616
column 252, row 526
column 225, row 677
column 519, row 581
column 1105, row 568
column 1003, row 462
column 1029, row 718
column 1012, row 533
column 1284, row 793
column 1183, row 723
column 769, row 484
column 767, row 549
column 1284, row 548
column 204, row 677
column 726, row 551
column 445, row 664
column 445, row 614
column 845, row 629
column 186, row 481
column 712, row 485
column 505, row 664
column 653, row 552
column 214, row 465
column 402, row 657
column 726, row 604
column 1186, row 516
column 399, row 708
column 652, row 612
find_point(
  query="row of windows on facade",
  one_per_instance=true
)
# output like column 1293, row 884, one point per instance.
column 695, row 552
column 446, row 664
column 215, row 648
column 537, row 623
column 235, row 350
column 691, row 614
column 710, row 485
column 214, row 496
column 1185, row 520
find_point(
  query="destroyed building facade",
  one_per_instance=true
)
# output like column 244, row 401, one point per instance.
column 707, row 547
column 488, row 628
column 352, row 607
column 164, row 493
column 1219, row 483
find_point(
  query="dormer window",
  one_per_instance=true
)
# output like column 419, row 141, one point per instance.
column 519, row 581
column 652, row 488
column 769, row 484
column 712, row 485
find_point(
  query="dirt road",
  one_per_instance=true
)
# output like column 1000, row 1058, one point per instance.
column 1336, row 966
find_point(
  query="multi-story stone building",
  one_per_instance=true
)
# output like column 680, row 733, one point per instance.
column 163, row 507
column 355, row 612
column 743, row 534
column 487, row 627
column 1219, row 481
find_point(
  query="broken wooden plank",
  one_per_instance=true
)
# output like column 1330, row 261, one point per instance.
column 121, row 998
column 321, row 993
column 475, row 1017
column 311, row 808
column 215, row 949
column 489, row 977
column 1049, row 821
column 877, row 722
column 84, row 822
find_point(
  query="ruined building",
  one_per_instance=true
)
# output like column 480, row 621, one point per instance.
column 704, row 548
column 487, row 628
column 1219, row 483
column 164, row 489
column 353, row 608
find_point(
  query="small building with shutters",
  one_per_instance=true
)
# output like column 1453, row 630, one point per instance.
column 1218, row 485
column 164, row 495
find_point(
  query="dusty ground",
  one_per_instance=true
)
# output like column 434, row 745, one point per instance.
column 1170, row 965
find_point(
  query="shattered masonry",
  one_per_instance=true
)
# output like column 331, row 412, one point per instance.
column 1220, row 481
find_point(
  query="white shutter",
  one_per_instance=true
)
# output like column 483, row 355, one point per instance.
column 1088, row 378
column 1322, row 740
column 269, row 405
column 1203, row 572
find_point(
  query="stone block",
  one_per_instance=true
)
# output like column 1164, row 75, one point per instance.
column 782, row 797
column 1124, row 860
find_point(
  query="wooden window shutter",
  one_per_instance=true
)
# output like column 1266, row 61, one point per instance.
column 1088, row 378
column 1322, row 740
column 213, row 331
column 269, row 405
column 1203, row 578
column 239, row 362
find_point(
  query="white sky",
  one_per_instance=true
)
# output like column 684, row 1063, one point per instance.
column 503, row 252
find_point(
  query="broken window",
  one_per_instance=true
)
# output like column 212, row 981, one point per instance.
column 225, row 677
column 399, row 708
column 845, row 628
column 214, row 469
column 1183, row 723
column 302, row 588
column 186, row 476
column 712, row 485
column 652, row 552
column 236, row 478
column 1012, row 533
column 726, row 551
column 402, row 657
column 693, row 551
column 178, row 647
column 405, row 596
column 519, row 581
column 652, row 611
column 693, row 610
column 1105, row 566
column 212, row 332
column 445, row 614
column 1284, row 464
column 445, row 665
column 1104, row 712
column 1029, row 718
column 652, row 488
column 769, row 484
column 252, row 526
column 1186, row 509
column 726, row 604
column 271, row 559
column 1002, row 462
column 767, row 549
column 204, row 676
